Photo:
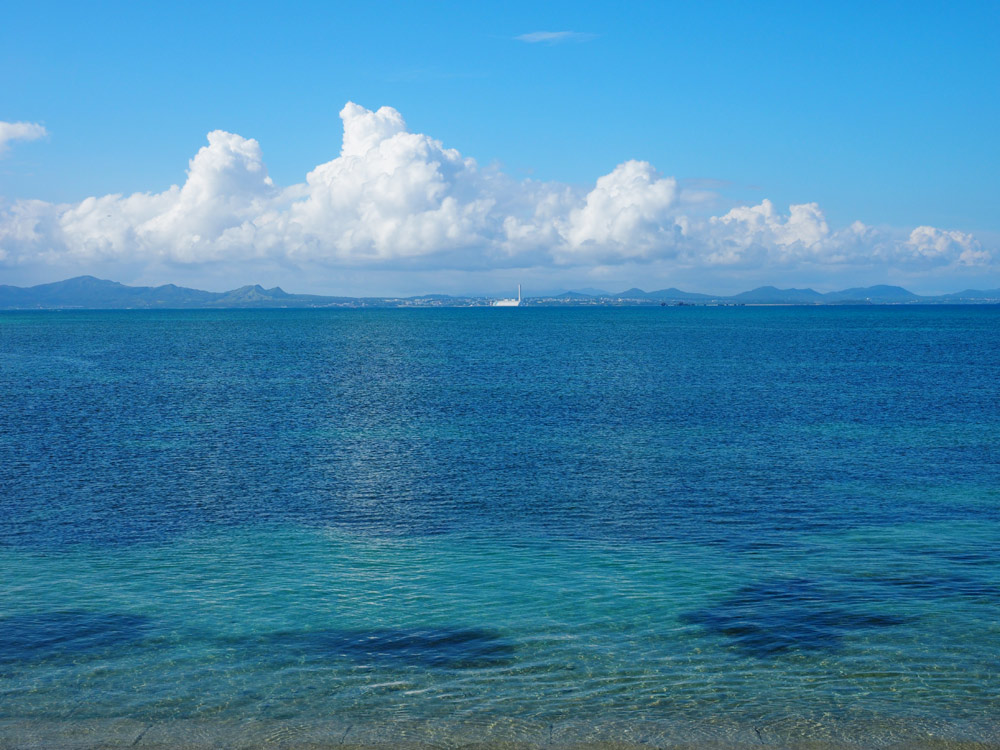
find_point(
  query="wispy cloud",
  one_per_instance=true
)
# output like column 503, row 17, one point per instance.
column 19, row 131
column 555, row 37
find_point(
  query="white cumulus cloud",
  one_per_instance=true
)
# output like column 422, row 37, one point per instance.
column 937, row 244
column 19, row 131
column 628, row 212
column 393, row 199
column 391, row 194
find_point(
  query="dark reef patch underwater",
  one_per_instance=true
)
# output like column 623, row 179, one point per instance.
column 723, row 527
column 69, row 635
column 772, row 617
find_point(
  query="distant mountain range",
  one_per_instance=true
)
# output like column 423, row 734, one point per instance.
column 769, row 295
column 87, row 292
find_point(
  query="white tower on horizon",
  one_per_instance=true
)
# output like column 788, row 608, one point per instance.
column 509, row 302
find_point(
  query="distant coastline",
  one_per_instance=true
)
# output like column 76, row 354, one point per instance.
column 90, row 293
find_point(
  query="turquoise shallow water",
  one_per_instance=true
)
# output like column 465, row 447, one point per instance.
column 657, row 527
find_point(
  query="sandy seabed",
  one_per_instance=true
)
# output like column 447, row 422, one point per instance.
column 511, row 734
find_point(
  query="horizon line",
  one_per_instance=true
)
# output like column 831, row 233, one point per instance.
column 595, row 294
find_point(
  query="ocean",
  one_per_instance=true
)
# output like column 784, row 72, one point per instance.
column 522, row 527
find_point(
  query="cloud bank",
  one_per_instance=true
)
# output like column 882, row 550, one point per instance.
column 399, row 200
column 19, row 131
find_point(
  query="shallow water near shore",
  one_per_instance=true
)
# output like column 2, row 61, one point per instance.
column 724, row 527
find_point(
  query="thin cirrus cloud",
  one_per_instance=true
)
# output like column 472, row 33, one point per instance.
column 555, row 37
column 19, row 131
column 397, row 200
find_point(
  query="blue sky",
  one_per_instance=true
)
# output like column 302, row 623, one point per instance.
column 882, row 114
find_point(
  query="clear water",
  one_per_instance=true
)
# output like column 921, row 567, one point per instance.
column 540, row 527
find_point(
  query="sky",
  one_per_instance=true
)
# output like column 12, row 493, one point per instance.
column 409, row 148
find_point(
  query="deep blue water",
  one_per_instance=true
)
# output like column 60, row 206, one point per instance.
column 647, row 525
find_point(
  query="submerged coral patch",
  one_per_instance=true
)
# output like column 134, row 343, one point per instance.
column 41, row 635
column 773, row 617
